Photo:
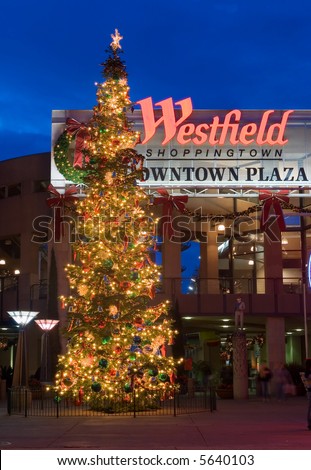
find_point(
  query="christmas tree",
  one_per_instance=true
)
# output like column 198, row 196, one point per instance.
column 117, row 341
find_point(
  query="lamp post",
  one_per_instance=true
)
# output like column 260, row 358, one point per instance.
column 20, row 374
column 45, row 369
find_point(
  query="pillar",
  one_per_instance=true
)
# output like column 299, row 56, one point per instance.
column 275, row 341
column 28, row 249
column 273, row 261
column 62, row 252
column 240, row 370
column 209, row 274
column 171, row 268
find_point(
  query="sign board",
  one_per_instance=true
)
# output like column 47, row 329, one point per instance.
column 186, row 148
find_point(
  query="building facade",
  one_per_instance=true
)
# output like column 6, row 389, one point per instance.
column 24, row 261
column 235, row 186
column 231, row 192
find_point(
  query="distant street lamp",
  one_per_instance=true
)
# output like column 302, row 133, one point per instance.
column 45, row 369
column 20, row 374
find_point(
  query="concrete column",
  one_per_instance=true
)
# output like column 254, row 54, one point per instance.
column 275, row 341
column 171, row 267
column 62, row 252
column 273, row 262
column 240, row 372
column 209, row 282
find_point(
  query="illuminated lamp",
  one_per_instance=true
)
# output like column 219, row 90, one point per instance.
column 45, row 369
column 20, row 374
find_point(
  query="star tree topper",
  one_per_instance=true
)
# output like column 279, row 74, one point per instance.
column 116, row 40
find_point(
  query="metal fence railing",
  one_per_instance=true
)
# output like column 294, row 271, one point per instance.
column 46, row 403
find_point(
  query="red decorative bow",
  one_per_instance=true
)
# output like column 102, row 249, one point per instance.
column 81, row 133
column 273, row 200
column 169, row 203
column 59, row 202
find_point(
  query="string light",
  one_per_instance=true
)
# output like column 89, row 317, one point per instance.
column 117, row 342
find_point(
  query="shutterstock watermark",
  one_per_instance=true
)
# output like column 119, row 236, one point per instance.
column 125, row 229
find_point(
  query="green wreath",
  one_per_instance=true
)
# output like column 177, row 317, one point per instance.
column 61, row 149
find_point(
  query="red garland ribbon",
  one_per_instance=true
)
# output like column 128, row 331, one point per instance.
column 169, row 203
column 147, row 260
column 273, row 200
column 81, row 133
column 59, row 202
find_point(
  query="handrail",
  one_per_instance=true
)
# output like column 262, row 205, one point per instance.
column 231, row 285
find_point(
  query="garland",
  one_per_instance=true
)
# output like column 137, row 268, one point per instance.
column 251, row 210
column 61, row 148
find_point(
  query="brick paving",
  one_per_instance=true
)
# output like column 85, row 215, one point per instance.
column 236, row 424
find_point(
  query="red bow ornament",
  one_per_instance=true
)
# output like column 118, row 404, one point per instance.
column 169, row 203
column 81, row 133
column 273, row 201
column 59, row 201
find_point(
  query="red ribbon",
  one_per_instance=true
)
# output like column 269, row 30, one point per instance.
column 169, row 203
column 273, row 201
column 147, row 260
column 59, row 202
column 81, row 133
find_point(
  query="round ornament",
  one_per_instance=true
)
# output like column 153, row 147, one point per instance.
column 153, row 372
column 127, row 388
column 132, row 357
column 67, row 382
column 125, row 285
column 103, row 363
column 96, row 387
column 106, row 339
column 118, row 350
column 107, row 263
column 163, row 377
column 137, row 339
column 138, row 321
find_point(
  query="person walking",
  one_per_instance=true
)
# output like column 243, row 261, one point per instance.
column 264, row 378
column 239, row 310
column 282, row 380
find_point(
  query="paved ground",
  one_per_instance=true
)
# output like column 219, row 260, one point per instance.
column 249, row 424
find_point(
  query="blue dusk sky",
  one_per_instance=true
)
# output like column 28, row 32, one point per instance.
column 224, row 54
